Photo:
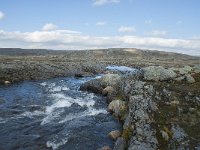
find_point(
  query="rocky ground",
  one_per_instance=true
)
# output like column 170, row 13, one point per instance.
column 158, row 106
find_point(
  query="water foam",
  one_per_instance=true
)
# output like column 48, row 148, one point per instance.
column 55, row 144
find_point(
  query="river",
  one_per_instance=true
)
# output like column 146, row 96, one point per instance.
column 53, row 114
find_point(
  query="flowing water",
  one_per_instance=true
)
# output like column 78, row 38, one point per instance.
column 53, row 114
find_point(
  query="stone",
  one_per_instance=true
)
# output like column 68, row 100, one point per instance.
column 158, row 73
column 189, row 79
column 114, row 134
column 120, row 144
column 93, row 86
column 113, row 80
column 117, row 107
column 179, row 79
column 105, row 148
column 7, row 82
column 164, row 135
column 108, row 89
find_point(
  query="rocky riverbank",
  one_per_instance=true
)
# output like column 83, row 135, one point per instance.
column 158, row 107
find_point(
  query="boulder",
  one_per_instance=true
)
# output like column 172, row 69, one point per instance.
column 114, row 134
column 108, row 89
column 92, row 86
column 158, row 73
column 189, row 79
column 117, row 107
column 7, row 82
column 197, row 68
column 113, row 80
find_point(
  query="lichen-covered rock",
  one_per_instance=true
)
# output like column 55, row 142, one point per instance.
column 197, row 68
column 120, row 144
column 158, row 73
column 117, row 107
column 113, row 80
column 108, row 89
column 114, row 134
column 189, row 79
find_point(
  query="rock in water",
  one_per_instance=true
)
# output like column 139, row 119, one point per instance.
column 114, row 134
column 108, row 89
column 117, row 107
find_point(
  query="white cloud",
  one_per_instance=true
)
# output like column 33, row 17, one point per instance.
column 157, row 33
column 49, row 26
column 68, row 39
column 103, row 2
column 2, row 15
column 126, row 29
column 101, row 23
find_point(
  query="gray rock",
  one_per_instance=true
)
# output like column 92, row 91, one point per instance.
column 197, row 68
column 181, row 78
column 120, row 144
column 189, row 79
column 158, row 73
column 113, row 80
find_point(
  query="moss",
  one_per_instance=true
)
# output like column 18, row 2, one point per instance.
column 196, row 76
column 123, row 112
column 127, row 133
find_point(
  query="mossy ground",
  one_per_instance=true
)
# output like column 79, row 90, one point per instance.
column 186, row 113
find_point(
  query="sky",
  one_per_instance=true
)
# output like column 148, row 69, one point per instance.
column 167, row 25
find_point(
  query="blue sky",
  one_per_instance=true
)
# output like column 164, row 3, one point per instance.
column 170, row 25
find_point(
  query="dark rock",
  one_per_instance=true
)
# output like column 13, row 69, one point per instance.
column 92, row 86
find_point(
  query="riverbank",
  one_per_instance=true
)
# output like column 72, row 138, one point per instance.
column 158, row 107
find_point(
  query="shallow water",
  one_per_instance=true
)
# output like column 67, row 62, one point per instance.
column 53, row 114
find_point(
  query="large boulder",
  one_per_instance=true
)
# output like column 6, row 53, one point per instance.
column 118, row 107
column 113, row 80
column 158, row 73
column 92, row 86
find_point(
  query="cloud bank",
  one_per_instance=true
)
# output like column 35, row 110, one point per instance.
column 73, row 40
